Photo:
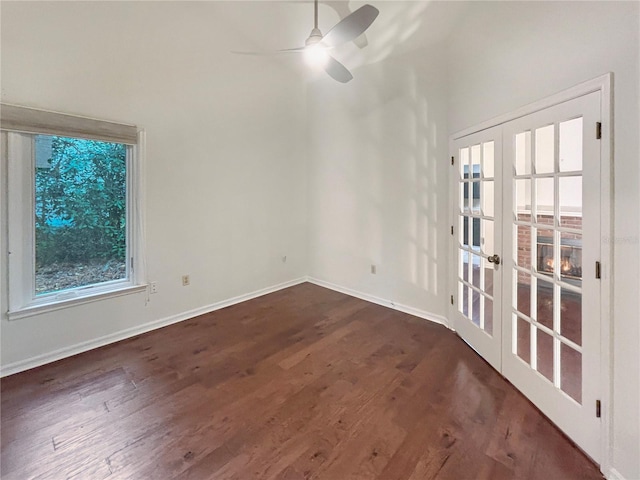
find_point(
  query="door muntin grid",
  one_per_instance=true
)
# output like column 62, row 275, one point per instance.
column 547, row 235
column 476, row 237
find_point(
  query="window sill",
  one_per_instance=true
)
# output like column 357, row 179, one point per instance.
column 71, row 302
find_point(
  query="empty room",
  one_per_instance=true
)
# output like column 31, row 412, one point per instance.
column 308, row 239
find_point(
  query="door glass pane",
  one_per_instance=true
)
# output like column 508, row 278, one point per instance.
column 544, row 150
column 544, row 303
column 487, row 198
column 545, row 251
column 487, row 241
column 544, row 201
column 523, row 153
column 523, row 338
column 571, row 315
column 522, row 294
column 570, row 195
column 476, row 270
column 544, row 357
column 464, row 230
column 571, row 258
column 465, row 206
column 464, row 162
column 475, row 161
column 475, row 234
column 487, row 159
column 488, row 276
column 522, row 199
column 522, row 245
column 464, row 301
column 571, row 145
column 475, row 307
column 571, row 372
column 464, row 265
column 475, row 200
column 488, row 315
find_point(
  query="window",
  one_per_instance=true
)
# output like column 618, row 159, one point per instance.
column 73, row 210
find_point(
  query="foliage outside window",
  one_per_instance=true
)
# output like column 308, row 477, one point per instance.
column 80, row 212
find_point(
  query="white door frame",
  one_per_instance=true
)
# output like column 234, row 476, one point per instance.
column 604, row 85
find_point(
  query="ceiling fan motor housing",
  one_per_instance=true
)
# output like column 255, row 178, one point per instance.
column 314, row 37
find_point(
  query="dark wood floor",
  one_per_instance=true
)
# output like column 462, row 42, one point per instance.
column 305, row 383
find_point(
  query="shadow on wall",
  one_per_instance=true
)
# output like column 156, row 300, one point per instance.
column 378, row 180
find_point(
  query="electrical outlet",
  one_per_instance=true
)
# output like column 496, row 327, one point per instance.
column 373, row 269
column 153, row 287
column 185, row 280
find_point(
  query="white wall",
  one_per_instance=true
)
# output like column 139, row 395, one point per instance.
column 225, row 183
column 506, row 54
column 378, row 148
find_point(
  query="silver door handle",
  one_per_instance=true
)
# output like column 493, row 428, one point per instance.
column 494, row 259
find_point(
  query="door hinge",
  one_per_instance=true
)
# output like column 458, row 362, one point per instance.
column 598, row 130
column 598, row 409
column 598, row 273
column 451, row 299
column 451, row 229
column 452, row 160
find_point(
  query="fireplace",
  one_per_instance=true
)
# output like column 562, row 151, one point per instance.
column 570, row 257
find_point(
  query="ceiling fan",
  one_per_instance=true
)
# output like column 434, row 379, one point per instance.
column 317, row 46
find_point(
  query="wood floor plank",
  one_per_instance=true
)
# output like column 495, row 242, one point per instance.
column 305, row 383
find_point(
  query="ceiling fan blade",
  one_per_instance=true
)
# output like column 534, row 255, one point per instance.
column 342, row 9
column 351, row 27
column 271, row 52
column 337, row 71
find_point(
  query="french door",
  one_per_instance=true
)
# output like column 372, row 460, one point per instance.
column 528, row 242
column 479, row 225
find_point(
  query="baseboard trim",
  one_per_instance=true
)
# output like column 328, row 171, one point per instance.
column 50, row 357
column 416, row 312
column 613, row 474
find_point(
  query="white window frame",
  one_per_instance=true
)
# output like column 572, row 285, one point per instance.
column 19, row 139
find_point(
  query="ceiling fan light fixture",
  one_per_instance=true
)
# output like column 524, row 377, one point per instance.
column 316, row 55
column 317, row 46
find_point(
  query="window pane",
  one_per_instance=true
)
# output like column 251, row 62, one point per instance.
column 80, row 212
